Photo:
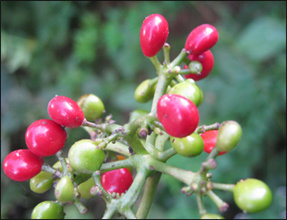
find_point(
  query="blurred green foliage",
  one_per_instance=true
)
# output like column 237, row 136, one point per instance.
column 73, row 48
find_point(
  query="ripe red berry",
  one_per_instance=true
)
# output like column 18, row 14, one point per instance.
column 209, row 139
column 207, row 62
column 45, row 137
column 201, row 39
column 65, row 112
column 22, row 165
column 153, row 34
column 117, row 181
column 178, row 115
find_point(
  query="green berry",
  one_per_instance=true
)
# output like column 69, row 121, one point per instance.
column 252, row 195
column 144, row 92
column 85, row 188
column 229, row 135
column 64, row 190
column 85, row 157
column 189, row 90
column 48, row 210
column 211, row 216
column 42, row 182
column 189, row 146
column 92, row 106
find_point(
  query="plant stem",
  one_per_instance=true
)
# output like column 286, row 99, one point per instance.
column 156, row 63
column 222, row 186
column 148, row 195
column 179, row 59
column 184, row 176
column 119, row 148
column 200, row 204
column 115, row 165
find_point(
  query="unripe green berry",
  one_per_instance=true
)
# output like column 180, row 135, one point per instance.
column 229, row 135
column 42, row 182
column 48, row 210
column 64, row 190
column 84, row 156
column 144, row 92
column 92, row 106
column 252, row 195
column 189, row 90
column 211, row 216
column 85, row 188
column 189, row 146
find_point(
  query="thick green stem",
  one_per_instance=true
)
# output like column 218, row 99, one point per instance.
column 156, row 63
column 179, row 59
column 81, row 208
column 148, row 195
column 129, row 199
column 221, row 205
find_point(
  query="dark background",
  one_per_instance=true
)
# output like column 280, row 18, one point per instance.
column 74, row 48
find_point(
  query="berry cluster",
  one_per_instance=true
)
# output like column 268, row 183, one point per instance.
column 118, row 161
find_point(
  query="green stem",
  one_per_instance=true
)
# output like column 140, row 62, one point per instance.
column 221, row 205
column 115, row 165
column 119, row 148
column 63, row 161
column 148, row 195
column 129, row 199
column 184, row 176
column 200, row 204
column 81, row 208
column 156, row 63
column 179, row 78
column 168, row 153
column 166, row 49
column 161, row 140
column 222, row 186
column 179, row 59
column 110, row 211
column 203, row 128
column 129, row 214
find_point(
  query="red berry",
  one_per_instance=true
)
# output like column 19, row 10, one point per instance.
column 201, row 39
column 206, row 60
column 117, row 181
column 153, row 34
column 65, row 112
column 209, row 139
column 178, row 115
column 45, row 137
column 22, row 165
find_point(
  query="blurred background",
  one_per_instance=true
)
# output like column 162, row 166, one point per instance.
column 74, row 48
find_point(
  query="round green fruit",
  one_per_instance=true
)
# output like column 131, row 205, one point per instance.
column 189, row 90
column 48, row 210
column 64, row 190
column 85, row 188
column 84, row 156
column 211, row 216
column 252, row 195
column 189, row 146
column 92, row 106
column 144, row 92
column 229, row 135
column 42, row 182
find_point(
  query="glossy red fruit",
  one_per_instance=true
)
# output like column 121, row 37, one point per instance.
column 45, row 137
column 178, row 115
column 65, row 112
column 207, row 62
column 153, row 34
column 209, row 139
column 22, row 165
column 201, row 39
column 117, row 181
